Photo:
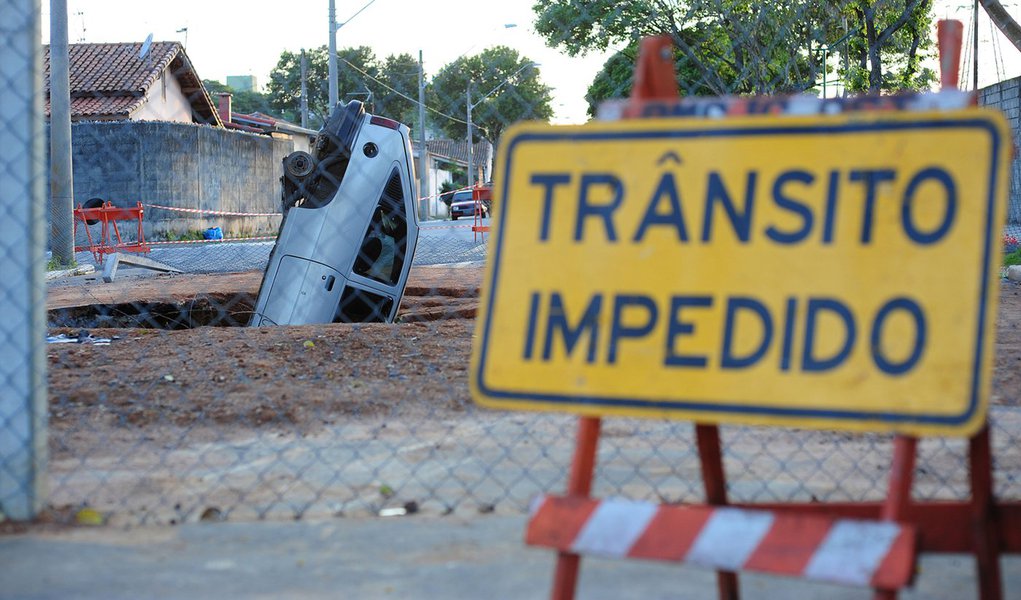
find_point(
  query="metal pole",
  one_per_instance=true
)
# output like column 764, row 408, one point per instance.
column 304, row 90
column 423, row 162
column 23, row 408
column 847, row 67
column 471, row 176
column 333, row 57
column 974, row 47
column 825, row 55
column 61, row 183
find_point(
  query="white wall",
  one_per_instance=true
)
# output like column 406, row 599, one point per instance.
column 172, row 106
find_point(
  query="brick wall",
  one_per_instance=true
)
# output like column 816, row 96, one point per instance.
column 1006, row 96
column 181, row 165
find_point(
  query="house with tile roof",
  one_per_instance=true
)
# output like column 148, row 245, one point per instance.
column 258, row 122
column 456, row 152
column 121, row 82
column 442, row 155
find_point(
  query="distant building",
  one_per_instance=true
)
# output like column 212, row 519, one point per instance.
column 265, row 124
column 116, row 82
column 441, row 155
column 243, row 83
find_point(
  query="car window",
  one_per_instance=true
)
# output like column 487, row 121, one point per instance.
column 385, row 244
column 362, row 306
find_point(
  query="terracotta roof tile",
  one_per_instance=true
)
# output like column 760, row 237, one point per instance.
column 110, row 80
column 457, row 150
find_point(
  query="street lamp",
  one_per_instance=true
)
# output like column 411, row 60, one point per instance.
column 471, row 174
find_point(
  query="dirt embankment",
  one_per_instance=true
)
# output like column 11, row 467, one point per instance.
column 302, row 376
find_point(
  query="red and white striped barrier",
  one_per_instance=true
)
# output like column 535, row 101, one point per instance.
column 219, row 241
column 877, row 554
column 223, row 213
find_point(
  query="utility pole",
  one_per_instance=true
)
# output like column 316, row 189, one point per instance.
column 304, row 90
column 333, row 57
column 471, row 177
column 61, row 182
column 974, row 47
column 423, row 163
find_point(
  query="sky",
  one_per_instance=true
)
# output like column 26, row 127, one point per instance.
column 246, row 38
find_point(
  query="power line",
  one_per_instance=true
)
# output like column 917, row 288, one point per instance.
column 405, row 96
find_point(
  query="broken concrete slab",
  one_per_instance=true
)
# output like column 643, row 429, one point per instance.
column 114, row 260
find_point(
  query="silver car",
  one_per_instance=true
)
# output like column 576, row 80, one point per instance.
column 349, row 229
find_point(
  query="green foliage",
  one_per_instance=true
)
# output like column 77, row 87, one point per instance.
column 1012, row 258
column 246, row 102
column 54, row 264
column 519, row 93
column 748, row 47
column 181, row 236
column 887, row 43
column 617, row 75
column 388, row 88
column 284, row 86
column 398, row 98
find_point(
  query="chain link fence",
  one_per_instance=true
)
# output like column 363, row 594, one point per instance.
column 164, row 406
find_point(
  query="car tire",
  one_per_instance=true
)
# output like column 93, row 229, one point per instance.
column 93, row 203
column 453, row 218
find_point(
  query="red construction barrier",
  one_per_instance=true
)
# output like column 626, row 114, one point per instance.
column 481, row 193
column 866, row 544
column 107, row 215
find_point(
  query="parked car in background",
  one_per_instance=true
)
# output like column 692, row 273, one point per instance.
column 350, row 228
column 466, row 202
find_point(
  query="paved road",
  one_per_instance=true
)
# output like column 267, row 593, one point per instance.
column 439, row 242
column 405, row 557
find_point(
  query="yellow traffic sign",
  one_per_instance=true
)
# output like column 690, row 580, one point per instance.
column 830, row 272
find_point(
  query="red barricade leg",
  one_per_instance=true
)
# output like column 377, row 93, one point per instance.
column 565, row 579
column 898, row 496
column 715, row 481
column 986, row 543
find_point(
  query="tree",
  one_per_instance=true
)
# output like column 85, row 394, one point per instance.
column 246, row 102
column 355, row 66
column 396, row 92
column 889, row 42
column 505, row 87
column 744, row 46
column 614, row 80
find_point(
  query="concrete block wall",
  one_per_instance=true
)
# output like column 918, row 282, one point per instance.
column 183, row 166
column 1006, row 96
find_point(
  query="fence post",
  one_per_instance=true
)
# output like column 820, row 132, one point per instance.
column 22, row 242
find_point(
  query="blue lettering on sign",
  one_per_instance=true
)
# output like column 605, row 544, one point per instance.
column 548, row 181
column 831, row 207
column 727, row 358
column 808, row 205
column 915, row 311
column 620, row 331
column 558, row 323
column 667, row 188
column 717, row 193
column 816, row 306
column 604, row 211
column 676, row 327
column 634, row 317
column 789, row 204
column 872, row 178
column 949, row 209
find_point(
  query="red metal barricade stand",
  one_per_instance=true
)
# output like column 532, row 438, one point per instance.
column 872, row 544
column 110, row 240
column 478, row 229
